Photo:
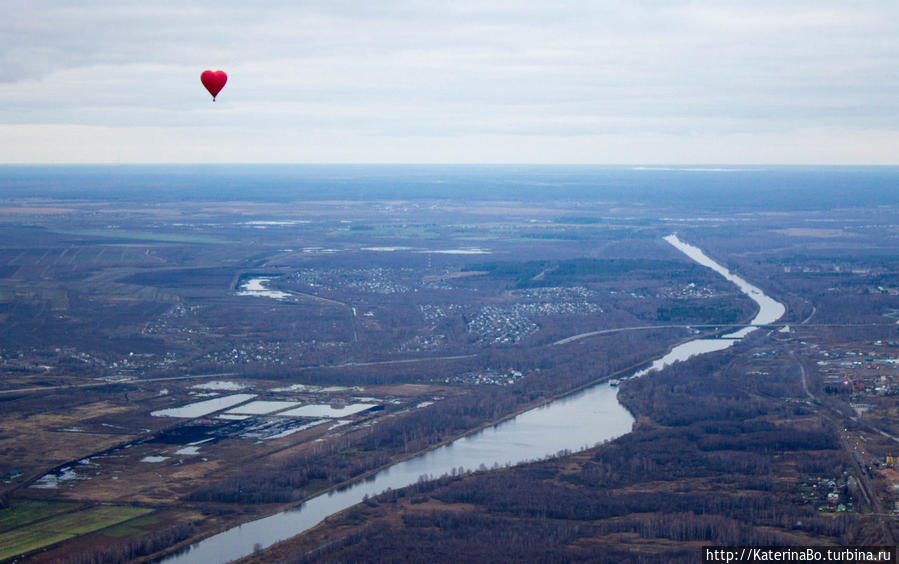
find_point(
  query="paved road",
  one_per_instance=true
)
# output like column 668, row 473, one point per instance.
column 433, row 358
column 105, row 383
column 99, row 384
column 709, row 326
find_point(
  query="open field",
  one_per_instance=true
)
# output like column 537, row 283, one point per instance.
column 38, row 532
column 30, row 511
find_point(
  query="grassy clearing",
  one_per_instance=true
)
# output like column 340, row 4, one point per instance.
column 29, row 511
column 62, row 527
column 133, row 528
column 20, row 542
column 95, row 519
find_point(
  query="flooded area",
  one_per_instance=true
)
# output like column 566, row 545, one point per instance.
column 219, row 385
column 328, row 410
column 290, row 430
column 261, row 407
column 256, row 287
column 52, row 480
column 205, row 407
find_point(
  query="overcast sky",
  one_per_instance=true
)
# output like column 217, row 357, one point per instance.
column 563, row 81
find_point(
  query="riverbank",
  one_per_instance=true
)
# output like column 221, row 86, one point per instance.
column 550, row 422
column 711, row 462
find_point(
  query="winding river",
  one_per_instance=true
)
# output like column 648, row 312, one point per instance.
column 574, row 422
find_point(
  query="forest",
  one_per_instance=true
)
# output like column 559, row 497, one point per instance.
column 710, row 462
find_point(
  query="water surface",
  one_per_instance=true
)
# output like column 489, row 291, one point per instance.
column 574, row 422
column 201, row 408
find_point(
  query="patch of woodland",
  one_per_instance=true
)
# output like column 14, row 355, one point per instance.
column 119, row 551
column 710, row 462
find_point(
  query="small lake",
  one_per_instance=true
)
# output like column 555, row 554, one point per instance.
column 580, row 420
column 256, row 287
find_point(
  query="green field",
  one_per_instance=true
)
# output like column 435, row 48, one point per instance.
column 133, row 528
column 35, row 530
column 29, row 511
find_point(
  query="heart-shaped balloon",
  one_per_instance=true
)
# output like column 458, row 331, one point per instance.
column 214, row 81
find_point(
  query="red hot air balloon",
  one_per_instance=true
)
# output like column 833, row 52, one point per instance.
column 214, row 81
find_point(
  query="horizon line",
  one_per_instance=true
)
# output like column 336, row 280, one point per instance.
column 637, row 166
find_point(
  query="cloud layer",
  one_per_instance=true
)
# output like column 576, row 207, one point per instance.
column 422, row 81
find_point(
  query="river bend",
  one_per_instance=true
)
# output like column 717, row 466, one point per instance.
column 574, row 422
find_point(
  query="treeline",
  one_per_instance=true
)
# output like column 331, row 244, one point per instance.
column 440, row 536
column 709, row 462
column 563, row 272
column 450, row 537
column 119, row 552
column 744, row 503
column 694, row 313
column 295, row 480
